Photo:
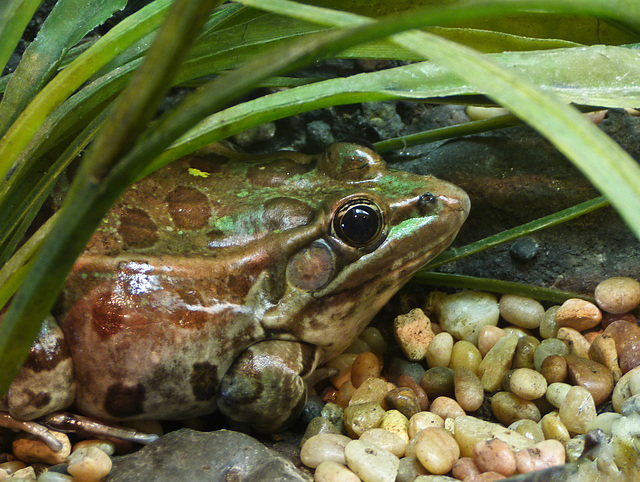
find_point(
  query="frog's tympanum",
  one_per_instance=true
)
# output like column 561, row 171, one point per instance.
column 222, row 285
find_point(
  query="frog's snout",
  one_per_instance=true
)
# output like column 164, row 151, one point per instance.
column 455, row 200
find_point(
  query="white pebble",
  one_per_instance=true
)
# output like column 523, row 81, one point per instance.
column 521, row 311
column 89, row 464
column 370, row 462
column 334, row 472
column 464, row 314
column 324, row 447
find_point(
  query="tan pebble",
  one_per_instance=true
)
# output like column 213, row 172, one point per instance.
column 423, row 420
column 618, row 294
column 437, row 450
column 517, row 331
column 494, row 456
column 389, row 441
column 549, row 328
column 342, row 364
column 396, row 423
column 413, row 333
column 556, row 393
column 439, row 351
column 551, row 346
column 468, row 431
column 324, row 447
column 464, row 467
column 334, row 472
column 508, row 408
column 608, row 318
column 403, row 400
column 360, row 418
column 485, row 477
column 13, row 466
column 525, row 352
column 592, row 335
column 31, row 449
column 343, row 397
column 464, row 314
column 370, row 462
column 529, row 429
column 468, row 389
column 447, row 408
column 627, row 338
column 438, row 382
column 593, row 376
column 497, row 362
column 105, row 445
column 578, row 314
column 542, row 455
column 465, row 355
column 528, row 384
column 488, row 337
column 553, row 428
column 622, row 391
column 24, row 474
column 409, row 469
column 50, row 476
column 371, row 390
column 573, row 449
column 357, row 346
column 578, row 410
column 603, row 350
column 521, row 311
column 554, row 369
column 366, row 365
column 634, row 383
column 421, row 395
column 89, row 464
column 576, row 343
column 374, row 338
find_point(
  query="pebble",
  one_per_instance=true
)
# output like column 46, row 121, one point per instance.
column 437, row 450
column 465, row 467
column 608, row 318
column 447, row 408
column 468, row 431
column 105, row 445
column 440, row 350
column 468, row 389
column 360, row 418
column 396, row 423
column 578, row 314
column 51, row 476
column 553, row 428
column 386, row 440
column 89, row 464
column 317, row 426
column 497, row 362
column 488, row 337
column 576, row 343
column 370, row 462
column 342, row 364
column 577, row 410
column 549, row 327
column 375, row 339
column 334, row 472
column 31, row 449
column 398, row 367
column 413, row 333
column 525, row 351
column 627, row 338
column 494, row 455
column 322, row 448
column 603, row 350
column 366, row 365
column 409, row 469
column 618, row 294
column 529, row 429
column 465, row 355
column 554, row 369
column 573, row 449
column 421, row 395
column 634, row 383
column 464, row 314
column 345, row 392
column 521, row 311
column 438, row 382
column 371, row 390
column 527, row 384
column 404, row 400
column 591, row 375
column 485, row 477
column 557, row 392
column 508, row 408
column 551, row 346
column 542, row 455
column 423, row 420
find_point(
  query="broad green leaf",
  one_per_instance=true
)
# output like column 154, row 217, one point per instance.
column 14, row 17
column 65, row 26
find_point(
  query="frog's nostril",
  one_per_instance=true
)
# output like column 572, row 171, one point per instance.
column 427, row 200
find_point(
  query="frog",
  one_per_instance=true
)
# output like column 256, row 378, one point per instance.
column 224, row 282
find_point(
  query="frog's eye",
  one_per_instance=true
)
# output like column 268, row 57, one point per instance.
column 358, row 222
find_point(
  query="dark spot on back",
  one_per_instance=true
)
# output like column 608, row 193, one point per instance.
column 283, row 213
column 123, row 401
column 107, row 317
column 275, row 173
column 189, row 208
column 137, row 229
column 204, row 381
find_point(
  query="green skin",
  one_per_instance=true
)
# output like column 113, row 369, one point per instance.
column 223, row 284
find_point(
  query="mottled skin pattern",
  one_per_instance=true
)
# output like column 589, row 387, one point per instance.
column 204, row 259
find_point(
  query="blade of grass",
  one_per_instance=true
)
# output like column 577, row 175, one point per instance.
column 14, row 18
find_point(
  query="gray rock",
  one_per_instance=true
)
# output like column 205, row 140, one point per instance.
column 188, row 455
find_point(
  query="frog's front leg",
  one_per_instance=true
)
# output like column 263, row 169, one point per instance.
column 265, row 386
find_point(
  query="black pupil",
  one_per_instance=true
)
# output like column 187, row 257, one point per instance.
column 359, row 225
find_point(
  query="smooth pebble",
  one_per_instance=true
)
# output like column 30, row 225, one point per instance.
column 553, row 428
column 527, row 384
column 464, row 314
column 577, row 410
column 521, row 311
column 89, row 464
column 551, row 346
column 529, row 429
column 497, row 362
column 423, row 420
column 494, row 455
column 554, row 369
column 447, row 408
column 618, row 294
column 370, row 462
column 438, row 382
column 440, row 350
column 549, row 328
column 465, row 355
column 437, row 450
column 578, row 314
column 508, row 408
column 324, row 447
column 334, row 472
column 488, row 337
column 31, row 449
column 577, row 344
column 366, row 365
column 542, row 455
column 468, row 389
column 591, row 375
column 386, row 440
column 468, row 431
